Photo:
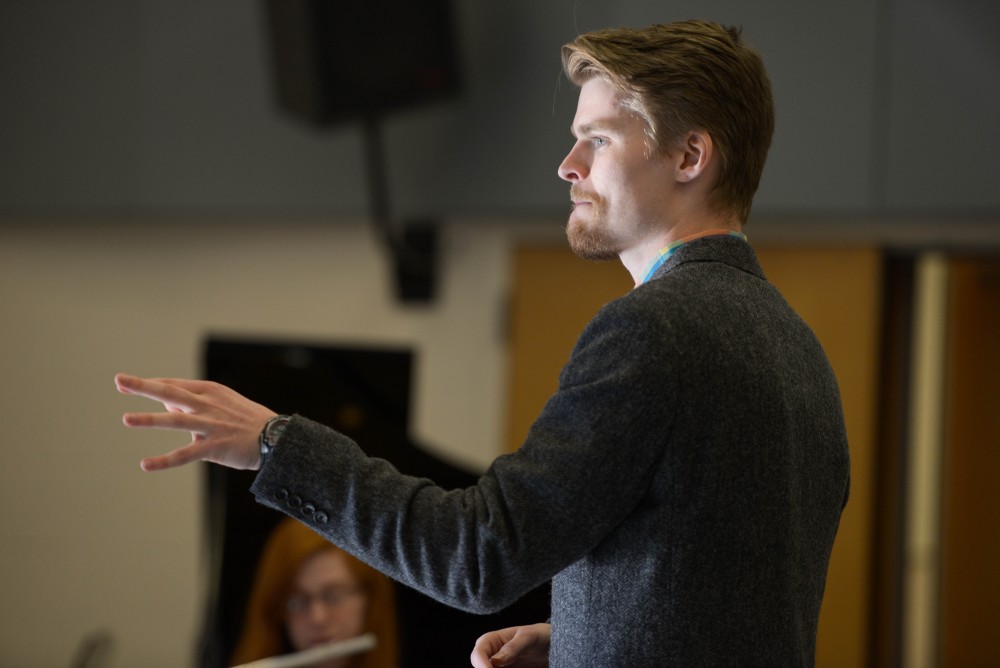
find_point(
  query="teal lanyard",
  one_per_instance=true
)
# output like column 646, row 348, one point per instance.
column 672, row 247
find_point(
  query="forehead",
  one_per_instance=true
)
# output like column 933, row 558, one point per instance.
column 323, row 569
column 600, row 107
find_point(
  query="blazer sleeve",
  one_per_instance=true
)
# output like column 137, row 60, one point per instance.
column 585, row 465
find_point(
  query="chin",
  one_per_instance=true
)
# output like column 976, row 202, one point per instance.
column 590, row 244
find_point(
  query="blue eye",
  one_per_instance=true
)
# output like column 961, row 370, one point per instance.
column 599, row 141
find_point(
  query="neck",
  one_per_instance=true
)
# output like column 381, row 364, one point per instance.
column 638, row 258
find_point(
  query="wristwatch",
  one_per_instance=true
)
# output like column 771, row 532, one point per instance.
column 271, row 433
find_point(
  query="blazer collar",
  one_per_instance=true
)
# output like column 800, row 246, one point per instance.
column 727, row 250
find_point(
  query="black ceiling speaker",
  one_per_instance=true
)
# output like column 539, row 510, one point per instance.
column 336, row 60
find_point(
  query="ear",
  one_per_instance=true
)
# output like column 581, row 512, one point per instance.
column 696, row 152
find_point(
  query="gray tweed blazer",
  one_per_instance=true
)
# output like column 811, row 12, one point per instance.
column 682, row 488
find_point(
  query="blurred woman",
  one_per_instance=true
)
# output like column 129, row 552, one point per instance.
column 308, row 592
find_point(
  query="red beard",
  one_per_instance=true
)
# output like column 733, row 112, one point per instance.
column 587, row 229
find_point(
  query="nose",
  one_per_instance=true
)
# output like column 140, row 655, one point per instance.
column 573, row 168
column 317, row 612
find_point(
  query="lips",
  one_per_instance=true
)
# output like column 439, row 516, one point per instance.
column 321, row 641
column 580, row 197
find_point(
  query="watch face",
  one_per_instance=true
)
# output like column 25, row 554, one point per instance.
column 273, row 430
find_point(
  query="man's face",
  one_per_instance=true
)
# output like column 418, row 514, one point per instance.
column 620, row 193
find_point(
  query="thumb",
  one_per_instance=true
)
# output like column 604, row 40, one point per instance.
column 502, row 658
column 511, row 649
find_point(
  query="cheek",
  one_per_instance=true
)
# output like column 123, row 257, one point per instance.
column 353, row 621
column 612, row 179
column 646, row 186
column 297, row 633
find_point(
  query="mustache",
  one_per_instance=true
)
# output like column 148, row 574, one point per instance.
column 576, row 193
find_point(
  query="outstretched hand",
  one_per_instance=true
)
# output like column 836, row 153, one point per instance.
column 517, row 647
column 224, row 425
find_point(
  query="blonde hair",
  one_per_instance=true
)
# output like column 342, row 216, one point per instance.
column 684, row 76
column 264, row 630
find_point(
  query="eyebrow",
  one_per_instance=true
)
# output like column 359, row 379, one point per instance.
column 612, row 124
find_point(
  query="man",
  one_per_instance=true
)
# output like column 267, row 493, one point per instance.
column 683, row 486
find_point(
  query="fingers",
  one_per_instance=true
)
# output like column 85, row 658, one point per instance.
column 480, row 660
column 127, row 382
column 526, row 646
column 481, row 657
column 488, row 648
column 223, row 424
column 505, row 656
column 165, row 390
column 124, row 382
column 179, row 457
column 184, row 400
column 175, row 420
